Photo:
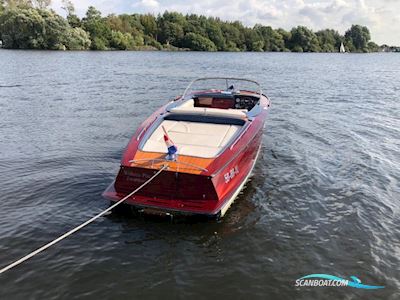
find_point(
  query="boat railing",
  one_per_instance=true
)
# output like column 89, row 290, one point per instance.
column 227, row 79
column 155, row 160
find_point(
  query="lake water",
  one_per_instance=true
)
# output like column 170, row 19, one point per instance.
column 324, row 198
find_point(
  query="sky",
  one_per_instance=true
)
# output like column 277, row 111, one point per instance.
column 382, row 17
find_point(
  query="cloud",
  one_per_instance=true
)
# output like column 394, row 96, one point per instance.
column 381, row 16
column 147, row 4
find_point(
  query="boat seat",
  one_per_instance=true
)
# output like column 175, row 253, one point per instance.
column 188, row 108
column 192, row 138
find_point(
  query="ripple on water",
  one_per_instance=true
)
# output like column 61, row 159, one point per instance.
column 324, row 196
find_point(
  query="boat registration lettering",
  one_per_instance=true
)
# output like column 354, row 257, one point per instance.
column 231, row 174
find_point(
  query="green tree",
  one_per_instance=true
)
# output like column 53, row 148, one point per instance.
column 22, row 29
column 233, row 36
column 197, row 42
column 329, row 40
column 286, row 36
column 134, row 21
column 170, row 28
column 273, row 41
column 56, row 29
column 170, row 33
column 215, row 35
column 231, row 47
column 174, row 17
column 121, row 41
column 100, row 32
column 149, row 24
column 252, row 40
column 196, row 24
column 98, row 43
column 72, row 18
column 124, row 23
column 33, row 29
column 150, row 41
column 77, row 39
column 74, row 21
column 373, row 47
column 303, row 40
column 30, row 24
column 242, row 38
column 117, row 24
column 357, row 38
column 12, row 4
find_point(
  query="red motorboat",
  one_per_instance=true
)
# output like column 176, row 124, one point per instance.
column 209, row 139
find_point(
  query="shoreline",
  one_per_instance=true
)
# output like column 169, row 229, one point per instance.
column 170, row 31
column 188, row 50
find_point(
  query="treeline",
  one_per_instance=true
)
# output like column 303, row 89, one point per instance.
column 30, row 24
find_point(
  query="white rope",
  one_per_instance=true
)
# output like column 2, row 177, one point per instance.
column 37, row 251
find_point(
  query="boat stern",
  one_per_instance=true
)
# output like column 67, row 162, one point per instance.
column 170, row 191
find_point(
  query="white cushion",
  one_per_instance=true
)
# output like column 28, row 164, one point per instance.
column 188, row 108
column 192, row 138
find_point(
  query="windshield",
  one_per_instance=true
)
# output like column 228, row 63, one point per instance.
column 229, row 85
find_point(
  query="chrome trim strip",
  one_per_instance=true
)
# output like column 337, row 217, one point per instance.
column 236, row 154
column 240, row 136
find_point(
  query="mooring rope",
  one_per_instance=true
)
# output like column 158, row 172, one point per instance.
column 37, row 251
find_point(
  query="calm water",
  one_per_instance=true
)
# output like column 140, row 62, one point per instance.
column 325, row 196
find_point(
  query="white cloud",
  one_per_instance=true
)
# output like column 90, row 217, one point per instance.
column 147, row 4
column 381, row 16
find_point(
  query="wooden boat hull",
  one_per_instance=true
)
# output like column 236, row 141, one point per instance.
column 174, row 193
column 183, row 193
column 190, row 185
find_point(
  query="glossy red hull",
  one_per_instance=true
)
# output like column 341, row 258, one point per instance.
column 208, row 191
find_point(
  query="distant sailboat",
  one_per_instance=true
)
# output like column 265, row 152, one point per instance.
column 342, row 50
